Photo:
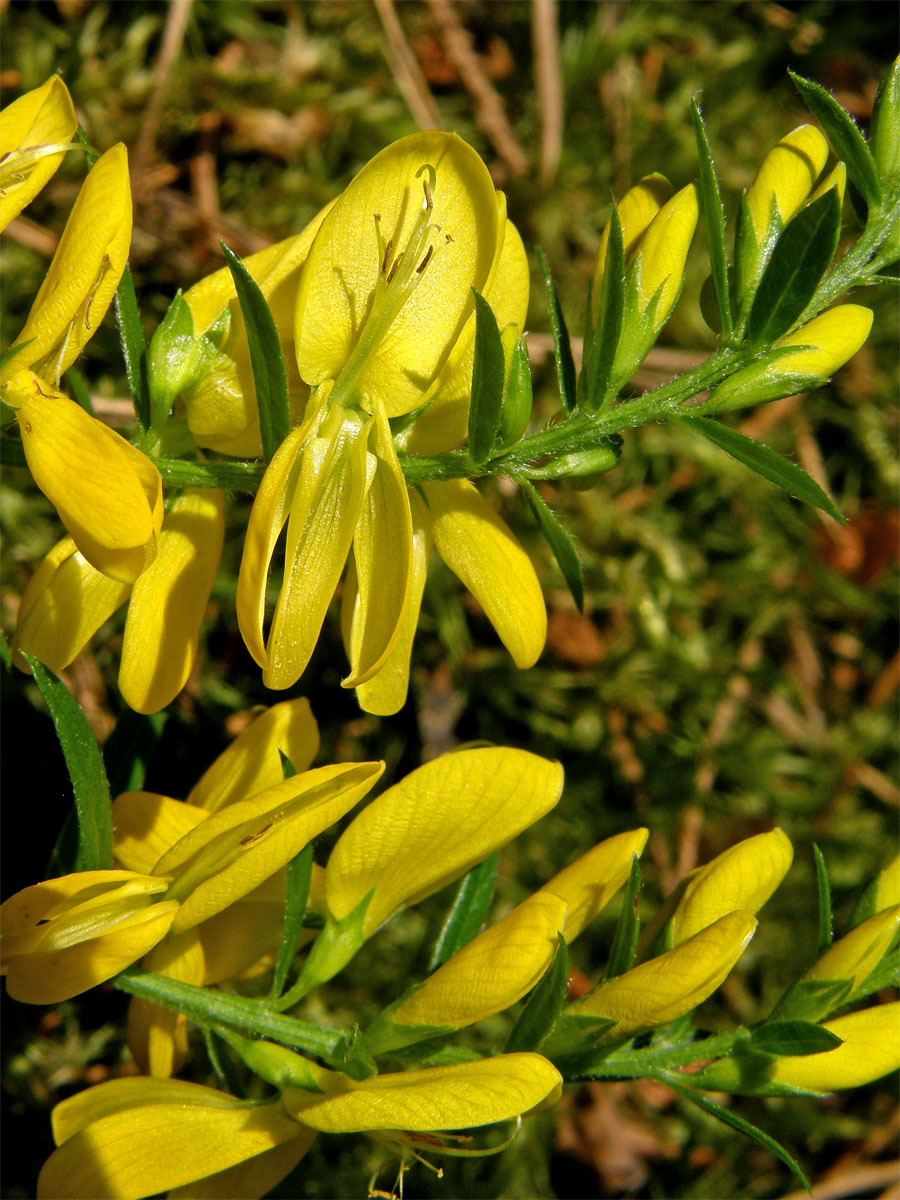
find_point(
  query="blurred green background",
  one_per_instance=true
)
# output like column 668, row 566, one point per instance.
column 736, row 665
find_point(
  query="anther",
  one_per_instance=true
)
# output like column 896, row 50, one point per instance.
column 448, row 238
column 397, row 262
column 387, row 256
column 424, row 263
column 429, row 202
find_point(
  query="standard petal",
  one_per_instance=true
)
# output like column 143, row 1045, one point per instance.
column 833, row 339
column 324, row 512
column 385, row 693
column 65, row 603
column 434, row 825
column 107, row 493
column 147, row 825
column 493, row 971
column 786, row 177
column 382, row 551
column 463, row 1096
column 236, row 849
column 480, row 548
column 588, row 884
column 146, row 1149
column 659, row 991
column 252, row 762
column 84, row 272
column 268, row 517
column 169, row 601
column 663, row 249
column 346, row 259
column 856, row 955
column 636, row 209
column 157, row 1036
column 41, row 118
column 743, row 877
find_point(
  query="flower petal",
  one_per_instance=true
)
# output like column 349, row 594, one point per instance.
column 84, row 272
column 833, row 338
column 42, row 117
column 856, row 955
column 147, row 825
column 434, row 825
column 107, row 493
column 385, row 692
column 478, row 547
column 253, row 1179
column 588, row 884
column 871, row 1049
column 382, row 550
column 147, row 1148
column 252, row 762
column 65, row 603
column 345, row 262
column 169, row 601
column 462, row 1096
column 786, row 177
column 636, row 209
column 157, row 1036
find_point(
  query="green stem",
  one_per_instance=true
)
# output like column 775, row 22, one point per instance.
column 639, row 1064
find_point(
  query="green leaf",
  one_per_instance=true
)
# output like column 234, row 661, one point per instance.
column 467, row 912
column 559, row 542
column 811, row 999
column 790, row 1038
column 487, row 382
column 86, row 771
column 129, row 747
column 299, row 874
column 884, row 132
column 537, row 1018
column 727, row 1117
column 714, row 215
column 518, row 397
column 223, row 1064
column 600, row 345
column 846, row 140
column 764, row 462
column 565, row 364
column 134, row 347
column 801, row 257
column 624, row 947
column 266, row 358
column 823, row 895
column 77, row 387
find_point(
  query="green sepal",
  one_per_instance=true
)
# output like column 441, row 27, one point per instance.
column 562, row 344
column 886, row 974
column 640, row 328
column 825, row 923
column 745, row 1073
column 468, row 911
column 275, row 1064
column 844, row 135
column 602, row 341
column 386, row 1036
column 574, row 1041
column 559, row 542
column 811, row 999
column 884, row 133
column 714, row 216
column 768, row 377
column 266, row 357
column 169, row 358
column 865, row 905
column 336, row 944
column 225, row 1064
column 749, row 255
column 355, row 1058
column 487, row 382
column 764, row 462
column 299, row 875
column 536, row 1020
column 518, row 396
column 798, row 262
column 84, row 763
column 623, row 954
column 791, row 1038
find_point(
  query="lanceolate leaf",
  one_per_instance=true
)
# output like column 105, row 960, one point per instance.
column 727, row 1117
column 487, row 382
column 468, row 911
column 846, row 140
column 764, row 462
column 600, row 349
column 624, row 947
column 559, row 541
column 714, row 216
column 537, row 1018
column 793, row 1038
column 823, row 890
column 299, row 874
column 801, row 257
column 85, row 765
column 128, row 748
column 266, row 359
column 565, row 364
column 134, row 347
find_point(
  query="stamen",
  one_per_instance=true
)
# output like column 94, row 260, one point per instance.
column 424, row 263
column 387, row 255
column 397, row 262
column 428, row 184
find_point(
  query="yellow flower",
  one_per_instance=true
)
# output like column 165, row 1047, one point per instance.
column 67, row 600
column 828, row 342
column 856, row 955
column 657, row 992
column 743, row 877
column 504, row 962
column 383, row 326
column 637, row 209
column 131, row 1138
column 35, row 132
column 871, row 1049
column 210, row 860
column 108, row 494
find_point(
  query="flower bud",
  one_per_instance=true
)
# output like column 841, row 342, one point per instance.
column 636, row 209
column 871, row 1049
column 855, row 956
column 885, row 132
column 515, row 410
column 883, row 892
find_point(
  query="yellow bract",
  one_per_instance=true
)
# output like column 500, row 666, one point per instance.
column 871, row 1049
column 35, row 132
